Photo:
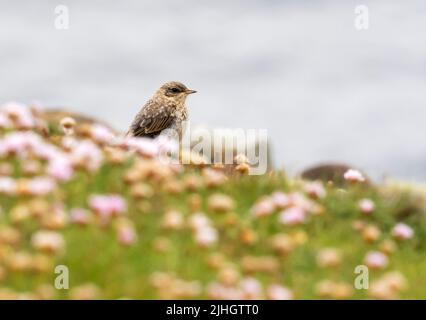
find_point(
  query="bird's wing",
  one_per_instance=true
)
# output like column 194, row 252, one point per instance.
column 153, row 119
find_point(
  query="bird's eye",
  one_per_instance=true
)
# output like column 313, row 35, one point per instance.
column 174, row 90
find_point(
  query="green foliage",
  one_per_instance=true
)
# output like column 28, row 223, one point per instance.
column 93, row 254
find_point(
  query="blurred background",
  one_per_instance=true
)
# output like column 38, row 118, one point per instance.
column 324, row 90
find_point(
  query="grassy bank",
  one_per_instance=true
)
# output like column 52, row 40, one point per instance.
column 128, row 226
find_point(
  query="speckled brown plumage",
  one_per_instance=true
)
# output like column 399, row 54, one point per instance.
column 165, row 110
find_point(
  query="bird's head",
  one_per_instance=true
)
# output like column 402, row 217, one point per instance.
column 174, row 91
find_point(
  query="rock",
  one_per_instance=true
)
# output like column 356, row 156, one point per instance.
column 330, row 172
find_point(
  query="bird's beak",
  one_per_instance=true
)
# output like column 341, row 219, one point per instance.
column 190, row 91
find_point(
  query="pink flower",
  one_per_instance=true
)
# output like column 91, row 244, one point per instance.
column 20, row 143
column 117, row 204
column 251, row 288
column 402, row 231
column 144, row 146
column 214, row 290
column 20, row 114
column 366, row 206
column 107, row 205
column 41, row 186
column 48, row 152
column 167, row 145
column 218, row 291
column 315, row 189
column 4, row 121
column 60, row 168
column 277, row 292
column 79, row 216
column 376, row 260
column 101, row 134
column 280, row 199
column 298, row 199
column 87, row 154
column 264, row 207
column 69, row 142
column 199, row 221
column 205, row 235
column 176, row 167
column 292, row 216
column 353, row 176
column 127, row 235
column 14, row 143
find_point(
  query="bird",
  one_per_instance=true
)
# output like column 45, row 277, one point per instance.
column 165, row 110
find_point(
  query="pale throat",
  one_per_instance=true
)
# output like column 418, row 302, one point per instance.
column 179, row 101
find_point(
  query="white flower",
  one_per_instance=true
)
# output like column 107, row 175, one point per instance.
column 7, row 185
column 49, row 241
column 329, row 257
column 67, row 125
column 172, row 220
column 353, row 176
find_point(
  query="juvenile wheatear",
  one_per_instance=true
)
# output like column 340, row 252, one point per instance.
column 165, row 110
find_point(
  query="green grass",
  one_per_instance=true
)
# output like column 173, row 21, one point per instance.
column 93, row 254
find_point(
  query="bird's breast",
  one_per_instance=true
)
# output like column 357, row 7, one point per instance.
column 180, row 114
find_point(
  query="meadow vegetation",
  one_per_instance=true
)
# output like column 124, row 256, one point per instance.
column 126, row 225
